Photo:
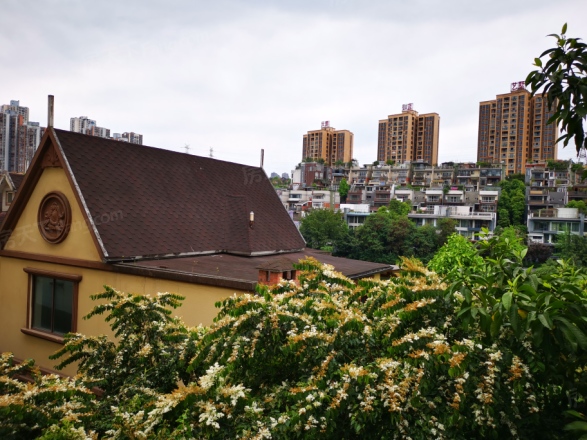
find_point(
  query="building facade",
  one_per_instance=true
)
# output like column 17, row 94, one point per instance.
column 19, row 137
column 513, row 130
column 331, row 145
column 85, row 125
column 408, row 136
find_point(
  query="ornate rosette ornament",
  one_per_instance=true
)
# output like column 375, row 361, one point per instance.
column 54, row 218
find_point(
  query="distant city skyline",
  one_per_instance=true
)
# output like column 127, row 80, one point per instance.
column 239, row 77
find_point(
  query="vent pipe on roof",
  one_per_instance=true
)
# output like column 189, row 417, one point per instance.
column 50, row 112
column 262, row 157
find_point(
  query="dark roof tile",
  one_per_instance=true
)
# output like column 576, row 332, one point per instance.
column 150, row 202
column 246, row 269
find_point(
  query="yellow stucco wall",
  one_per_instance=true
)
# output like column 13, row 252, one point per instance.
column 197, row 308
column 26, row 236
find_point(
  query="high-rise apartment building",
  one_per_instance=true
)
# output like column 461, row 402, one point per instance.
column 513, row 130
column 85, row 125
column 88, row 126
column 19, row 138
column 328, row 144
column 409, row 136
column 133, row 138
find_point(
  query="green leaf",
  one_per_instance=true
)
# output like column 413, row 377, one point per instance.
column 515, row 319
column 545, row 320
column 564, row 31
column 506, row 300
column 579, row 336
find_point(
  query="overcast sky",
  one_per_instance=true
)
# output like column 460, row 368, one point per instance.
column 243, row 76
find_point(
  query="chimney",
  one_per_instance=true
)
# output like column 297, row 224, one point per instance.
column 262, row 157
column 50, row 112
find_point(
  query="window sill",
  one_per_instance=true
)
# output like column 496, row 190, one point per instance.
column 39, row 334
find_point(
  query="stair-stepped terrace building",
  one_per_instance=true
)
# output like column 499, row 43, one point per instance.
column 545, row 224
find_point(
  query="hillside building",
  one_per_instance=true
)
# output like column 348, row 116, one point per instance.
column 331, row 145
column 513, row 130
column 408, row 136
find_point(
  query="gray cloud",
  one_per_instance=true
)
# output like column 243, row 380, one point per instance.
column 241, row 76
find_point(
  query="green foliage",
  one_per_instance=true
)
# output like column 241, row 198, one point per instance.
column 398, row 208
column 343, row 189
column 141, row 325
column 572, row 248
column 446, row 227
column 579, row 204
column 512, row 202
column 457, row 253
column 564, row 78
column 492, row 357
column 323, row 227
column 27, row 409
column 279, row 182
column 542, row 314
column 557, row 165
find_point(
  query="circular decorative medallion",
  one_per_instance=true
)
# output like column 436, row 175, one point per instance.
column 54, row 217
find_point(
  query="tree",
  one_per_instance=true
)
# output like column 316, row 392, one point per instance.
column 579, row 204
column 322, row 227
column 343, row 190
column 328, row 359
column 512, row 201
column 458, row 252
column 564, row 78
column 572, row 247
column 352, row 163
column 397, row 208
column 446, row 227
column 538, row 254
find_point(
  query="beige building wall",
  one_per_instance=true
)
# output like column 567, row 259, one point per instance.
column 328, row 144
column 409, row 136
column 26, row 236
column 513, row 131
column 76, row 256
column 198, row 306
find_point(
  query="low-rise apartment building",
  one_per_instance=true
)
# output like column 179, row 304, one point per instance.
column 545, row 224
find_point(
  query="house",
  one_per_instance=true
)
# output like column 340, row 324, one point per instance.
column 92, row 212
column 9, row 183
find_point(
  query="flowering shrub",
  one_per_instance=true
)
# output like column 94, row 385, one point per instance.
column 330, row 358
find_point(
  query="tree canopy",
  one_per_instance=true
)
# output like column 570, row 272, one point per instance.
column 493, row 354
column 564, row 79
column 323, row 227
column 512, row 203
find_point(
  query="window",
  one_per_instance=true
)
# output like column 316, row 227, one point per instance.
column 52, row 304
column 9, row 197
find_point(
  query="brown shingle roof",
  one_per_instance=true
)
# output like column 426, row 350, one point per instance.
column 242, row 272
column 149, row 202
column 17, row 179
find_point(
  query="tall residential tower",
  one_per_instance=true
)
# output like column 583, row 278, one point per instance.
column 328, row 144
column 513, row 130
column 19, row 137
column 409, row 136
